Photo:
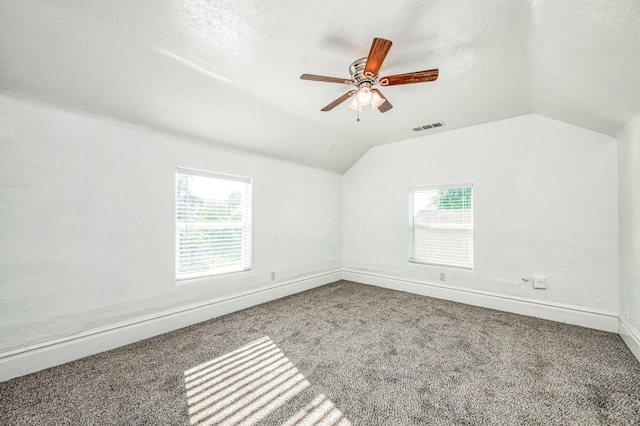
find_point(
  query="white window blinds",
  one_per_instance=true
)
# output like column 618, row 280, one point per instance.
column 213, row 224
column 441, row 225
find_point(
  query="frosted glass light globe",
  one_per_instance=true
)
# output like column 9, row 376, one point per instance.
column 364, row 96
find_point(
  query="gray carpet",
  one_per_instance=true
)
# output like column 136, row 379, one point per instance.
column 345, row 354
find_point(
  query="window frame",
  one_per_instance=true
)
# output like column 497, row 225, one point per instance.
column 412, row 228
column 245, row 262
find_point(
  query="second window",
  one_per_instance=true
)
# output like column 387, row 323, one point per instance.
column 441, row 225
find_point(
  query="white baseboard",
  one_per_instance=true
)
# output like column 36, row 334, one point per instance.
column 38, row 357
column 569, row 314
column 631, row 337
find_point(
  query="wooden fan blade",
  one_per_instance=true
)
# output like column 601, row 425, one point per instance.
column 313, row 77
column 379, row 49
column 409, row 78
column 386, row 106
column 338, row 101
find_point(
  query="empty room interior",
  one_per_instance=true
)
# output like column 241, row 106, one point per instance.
column 320, row 213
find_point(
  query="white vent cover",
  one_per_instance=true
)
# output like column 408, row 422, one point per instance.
column 428, row 126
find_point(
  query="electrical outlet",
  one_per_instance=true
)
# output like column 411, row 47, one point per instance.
column 273, row 276
column 539, row 281
column 443, row 276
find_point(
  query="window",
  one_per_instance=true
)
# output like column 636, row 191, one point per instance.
column 213, row 224
column 441, row 225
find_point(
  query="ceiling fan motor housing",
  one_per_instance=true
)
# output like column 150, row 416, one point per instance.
column 356, row 69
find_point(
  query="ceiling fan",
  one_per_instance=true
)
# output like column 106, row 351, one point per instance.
column 364, row 76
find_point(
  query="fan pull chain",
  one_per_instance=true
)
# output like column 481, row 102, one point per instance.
column 358, row 112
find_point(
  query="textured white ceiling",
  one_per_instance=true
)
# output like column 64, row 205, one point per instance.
column 227, row 71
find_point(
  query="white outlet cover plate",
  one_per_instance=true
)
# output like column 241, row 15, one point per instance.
column 539, row 281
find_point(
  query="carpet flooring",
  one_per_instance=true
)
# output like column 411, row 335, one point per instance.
column 344, row 354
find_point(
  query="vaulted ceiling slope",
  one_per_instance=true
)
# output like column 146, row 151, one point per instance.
column 227, row 71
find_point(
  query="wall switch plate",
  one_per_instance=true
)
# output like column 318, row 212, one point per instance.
column 273, row 276
column 443, row 276
column 539, row 281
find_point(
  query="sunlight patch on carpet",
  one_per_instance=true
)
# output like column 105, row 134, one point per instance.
column 321, row 412
column 246, row 385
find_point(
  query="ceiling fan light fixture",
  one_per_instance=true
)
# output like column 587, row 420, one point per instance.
column 355, row 105
column 364, row 96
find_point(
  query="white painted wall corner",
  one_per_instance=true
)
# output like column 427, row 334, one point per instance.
column 631, row 336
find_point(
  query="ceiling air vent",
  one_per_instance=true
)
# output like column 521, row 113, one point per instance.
column 428, row 126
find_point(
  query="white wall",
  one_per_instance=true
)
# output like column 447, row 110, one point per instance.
column 629, row 217
column 86, row 218
column 87, row 222
column 545, row 202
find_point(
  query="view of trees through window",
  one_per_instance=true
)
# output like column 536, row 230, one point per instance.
column 453, row 198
